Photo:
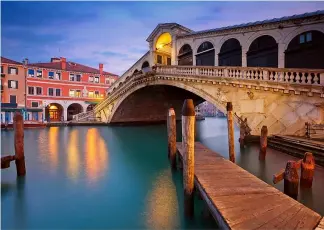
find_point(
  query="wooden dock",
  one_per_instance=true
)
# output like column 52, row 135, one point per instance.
column 239, row 200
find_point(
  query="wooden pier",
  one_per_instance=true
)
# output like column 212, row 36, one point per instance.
column 239, row 200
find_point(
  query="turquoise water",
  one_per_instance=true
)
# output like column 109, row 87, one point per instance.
column 95, row 178
column 117, row 178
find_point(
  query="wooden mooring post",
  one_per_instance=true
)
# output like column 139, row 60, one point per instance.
column 291, row 178
column 230, row 126
column 307, row 170
column 188, row 145
column 263, row 143
column 172, row 137
column 19, row 144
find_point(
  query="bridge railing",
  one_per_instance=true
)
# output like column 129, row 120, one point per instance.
column 277, row 75
column 83, row 116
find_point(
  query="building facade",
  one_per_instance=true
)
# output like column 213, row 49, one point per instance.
column 53, row 91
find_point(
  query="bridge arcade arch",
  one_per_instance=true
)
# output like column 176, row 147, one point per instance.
column 263, row 52
column 54, row 112
column 230, row 53
column 205, row 55
column 306, row 50
column 73, row 109
column 185, row 55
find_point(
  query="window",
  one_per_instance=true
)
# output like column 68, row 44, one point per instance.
column 91, row 94
column 96, row 79
column 58, row 92
column 90, row 78
column 57, row 76
column 107, row 80
column 31, row 90
column 169, row 61
column 13, row 99
column 1, row 69
column 78, row 77
column 112, row 81
column 71, row 93
column 78, row 93
column 31, row 73
column 39, row 91
column 97, row 94
column 39, row 73
column 34, row 104
column 50, row 92
column 12, row 70
column 309, row 37
column 72, row 77
column 159, row 59
column 12, row 84
column 51, row 75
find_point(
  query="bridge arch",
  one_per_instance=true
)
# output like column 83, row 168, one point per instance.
column 205, row 54
column 219, row 100
column 306, row 50
column 73, row 109
column 263, row 52
column 230, row 53
column 185, row 55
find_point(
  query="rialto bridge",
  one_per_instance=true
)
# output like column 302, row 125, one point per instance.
column 272, row 71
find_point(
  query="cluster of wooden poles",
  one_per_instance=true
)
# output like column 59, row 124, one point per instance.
column 19, row 157
column 291, row 177
column 188, row 140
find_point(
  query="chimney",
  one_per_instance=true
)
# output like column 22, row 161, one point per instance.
column 25, row 62
column 63, row 63
column 100, row 68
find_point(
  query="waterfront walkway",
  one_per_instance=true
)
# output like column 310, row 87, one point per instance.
column 239, row 200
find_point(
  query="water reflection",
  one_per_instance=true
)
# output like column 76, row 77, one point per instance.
column 96, row 155
column 53, row 146
column 162, row 208
column 73, row 162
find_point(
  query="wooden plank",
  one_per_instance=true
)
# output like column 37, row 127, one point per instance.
column 239, row 200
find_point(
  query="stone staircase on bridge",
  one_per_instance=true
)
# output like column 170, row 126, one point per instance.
column 88, row 116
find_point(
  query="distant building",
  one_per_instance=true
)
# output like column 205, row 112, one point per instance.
column 52, row 91
column 207, row 109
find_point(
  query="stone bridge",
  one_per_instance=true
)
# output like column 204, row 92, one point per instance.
column 282, row 99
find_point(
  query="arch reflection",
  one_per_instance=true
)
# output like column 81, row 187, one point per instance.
column 96, row 155
column 53, row 146
column 73, row 163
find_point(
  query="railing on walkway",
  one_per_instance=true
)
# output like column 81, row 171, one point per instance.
column 314, row 130
column 278, row 75
column 84, row 116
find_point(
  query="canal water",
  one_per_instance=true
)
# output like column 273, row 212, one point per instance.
column 117, row 178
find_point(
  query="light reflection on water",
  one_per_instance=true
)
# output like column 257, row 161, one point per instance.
column 73, row 155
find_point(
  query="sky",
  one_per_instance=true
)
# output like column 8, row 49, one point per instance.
column 115, row 33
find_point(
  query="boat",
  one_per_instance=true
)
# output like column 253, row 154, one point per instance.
column 27, row 125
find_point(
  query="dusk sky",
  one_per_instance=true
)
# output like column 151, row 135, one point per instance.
column 114, row 33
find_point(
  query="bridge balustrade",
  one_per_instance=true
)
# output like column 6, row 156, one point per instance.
column 278, row 75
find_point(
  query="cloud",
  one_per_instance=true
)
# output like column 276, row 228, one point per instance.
column 114, row 33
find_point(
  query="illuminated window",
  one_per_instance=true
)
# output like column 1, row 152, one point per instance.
column 97, row 94
column 31, row 73
column 90, row 93
column 71, row 93
column 78, row 93
column 39, row 73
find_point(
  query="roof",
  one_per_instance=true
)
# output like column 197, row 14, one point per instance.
column 9, row 61
column 70, row 66
column 167, row 25
column 267, row 21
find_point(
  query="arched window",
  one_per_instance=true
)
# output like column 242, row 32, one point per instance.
column 145, row 65
column 185, row 55
column 205, row 55
column 263, row 52
column 306, row 50
column 230, row 53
